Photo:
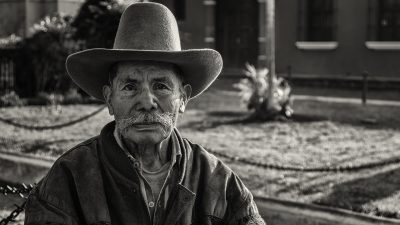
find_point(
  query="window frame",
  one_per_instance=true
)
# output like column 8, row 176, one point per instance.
column 374, row 42
column 304, row 41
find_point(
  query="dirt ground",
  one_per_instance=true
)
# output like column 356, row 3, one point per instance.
column 321, row 134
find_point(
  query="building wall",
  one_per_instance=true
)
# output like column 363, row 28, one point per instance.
column 70, row 7
column 350, row 57
column 18, row 16
column 9, row 22
column 192, row 27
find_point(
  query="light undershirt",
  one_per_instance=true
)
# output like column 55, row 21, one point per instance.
column 156, row 180
column 152, row 182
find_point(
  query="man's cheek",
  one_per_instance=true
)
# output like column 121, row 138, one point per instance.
column 170, row 106
column 121, row 110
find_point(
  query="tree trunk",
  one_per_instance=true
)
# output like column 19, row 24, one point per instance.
column 267, row 109
column 270, row 51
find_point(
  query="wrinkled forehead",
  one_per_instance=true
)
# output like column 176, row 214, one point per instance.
column 145, row 70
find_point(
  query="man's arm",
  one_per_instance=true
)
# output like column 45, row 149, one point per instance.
column 41, row 212
column 242, row 209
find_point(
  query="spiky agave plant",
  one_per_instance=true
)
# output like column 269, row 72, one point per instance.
column 254, row 92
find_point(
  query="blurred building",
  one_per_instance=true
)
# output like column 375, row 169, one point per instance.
column 313, row 37
column 17, row 16
column 339, row 37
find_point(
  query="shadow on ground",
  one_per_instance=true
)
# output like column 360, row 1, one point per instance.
column 355, row 194
column 213, row 119
column 369, row 119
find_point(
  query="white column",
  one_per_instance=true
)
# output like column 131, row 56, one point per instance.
column 209, row 38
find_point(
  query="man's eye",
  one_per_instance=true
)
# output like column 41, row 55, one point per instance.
column 160, row 86
column 129, row 87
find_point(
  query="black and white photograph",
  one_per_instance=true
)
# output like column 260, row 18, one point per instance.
column 199, row 112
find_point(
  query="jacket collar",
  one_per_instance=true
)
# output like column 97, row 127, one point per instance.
column 120, row 162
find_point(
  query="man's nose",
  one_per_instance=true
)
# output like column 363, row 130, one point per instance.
column 146, row 100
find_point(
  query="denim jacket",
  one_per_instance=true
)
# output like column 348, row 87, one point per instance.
column 94, row 183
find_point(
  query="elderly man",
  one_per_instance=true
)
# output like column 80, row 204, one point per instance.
column 139, row 170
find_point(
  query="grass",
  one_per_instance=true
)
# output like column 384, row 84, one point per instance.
column 320, row 134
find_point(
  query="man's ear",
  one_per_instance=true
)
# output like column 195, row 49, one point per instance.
column 107, row 97
column 187, row 91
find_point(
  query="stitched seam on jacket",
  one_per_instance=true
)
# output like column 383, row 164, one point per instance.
column 244, row 201
column 52, row 205
column 45, row 223
column 215, row 218
column 101, row 223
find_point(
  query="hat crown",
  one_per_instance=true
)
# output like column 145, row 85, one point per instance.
column 147, row 26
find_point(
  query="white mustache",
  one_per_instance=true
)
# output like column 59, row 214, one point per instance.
column 165, row 119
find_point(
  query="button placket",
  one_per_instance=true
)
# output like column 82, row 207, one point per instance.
column 136, row 164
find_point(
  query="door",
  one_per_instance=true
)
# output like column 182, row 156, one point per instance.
column 237, row 32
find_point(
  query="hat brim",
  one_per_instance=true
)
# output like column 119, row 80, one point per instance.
column 89, row 69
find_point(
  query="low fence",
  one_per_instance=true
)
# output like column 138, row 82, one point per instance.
column 8, row 69
column 16, row 72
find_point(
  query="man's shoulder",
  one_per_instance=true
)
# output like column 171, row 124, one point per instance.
column 85, row 149
column 74, row 162
column 206, row 159
column 78, row 167
column 77, row 159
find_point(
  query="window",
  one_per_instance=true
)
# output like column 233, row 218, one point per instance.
column 317, row 21
column 179, row 9
column 383, row 25
column 388, row 24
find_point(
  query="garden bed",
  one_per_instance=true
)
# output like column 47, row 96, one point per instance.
column 321, row 134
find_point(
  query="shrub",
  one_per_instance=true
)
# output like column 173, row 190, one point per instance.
column 72, row 97
column 49, row 98
column 97, row 22
column 11, row 99
column 254, row 92
column 10, row 42
column 46, row 50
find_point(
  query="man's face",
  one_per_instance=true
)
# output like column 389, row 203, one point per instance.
column 146, row 98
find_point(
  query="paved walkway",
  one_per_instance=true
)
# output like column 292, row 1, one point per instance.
column 24, row 159
column 346, row 100
column 332, row 99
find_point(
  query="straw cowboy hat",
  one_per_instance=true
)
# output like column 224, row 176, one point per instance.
column 147, row 31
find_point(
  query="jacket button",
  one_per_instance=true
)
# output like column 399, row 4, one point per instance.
column 151, row 204
column 136, row 164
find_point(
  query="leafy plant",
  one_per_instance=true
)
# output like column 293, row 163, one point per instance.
column 72, row 97
column 50, row 98
column 254, row 92
column 47, row 50
column 11, row 99
column 10, row 41
column 97, row 22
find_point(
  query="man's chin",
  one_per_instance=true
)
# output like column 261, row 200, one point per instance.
column 146, row 135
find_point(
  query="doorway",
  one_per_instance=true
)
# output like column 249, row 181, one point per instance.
column 237, row 32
